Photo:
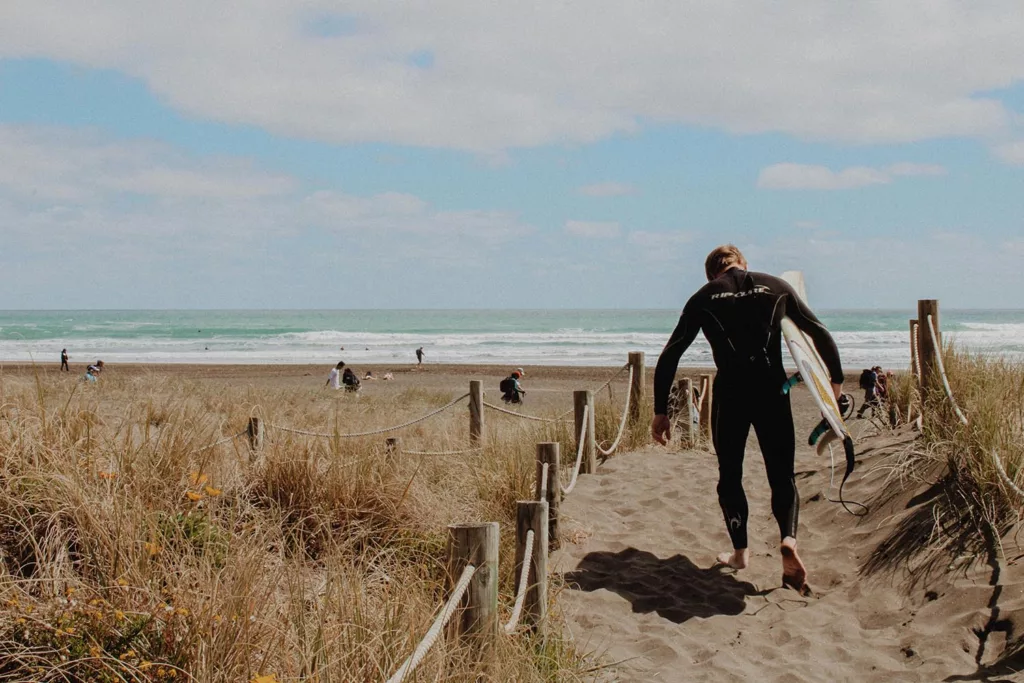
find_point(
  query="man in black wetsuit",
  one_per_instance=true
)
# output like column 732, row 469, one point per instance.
column 740, row 313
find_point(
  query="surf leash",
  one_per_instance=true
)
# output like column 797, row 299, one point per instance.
column 850, row 462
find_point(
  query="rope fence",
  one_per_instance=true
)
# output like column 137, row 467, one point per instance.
column 435, row 629
column 439, row 453
column 218, row 443
column 524, row 575
column 374, row 432
column 622, row 422
column 942, row 371
column 700, row 396
column 523, row 415
column 579, row 457
column 1005, row 477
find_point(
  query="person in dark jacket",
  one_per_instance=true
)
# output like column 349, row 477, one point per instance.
column 740, row 313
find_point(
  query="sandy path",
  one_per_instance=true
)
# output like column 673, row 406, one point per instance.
column 643, row 533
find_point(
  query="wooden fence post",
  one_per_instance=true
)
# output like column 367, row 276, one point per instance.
column 254, row 433
column 580, row 400
column 548, row 452
column 533, row 515
column 926, row 350
column 684, row 412
column 706, row 382
column 475, row 544
column 636, row 389
column 476, row 411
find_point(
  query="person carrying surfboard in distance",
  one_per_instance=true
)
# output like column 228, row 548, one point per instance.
column 740, row 313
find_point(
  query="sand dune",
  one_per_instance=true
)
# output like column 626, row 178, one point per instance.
column 640, row 590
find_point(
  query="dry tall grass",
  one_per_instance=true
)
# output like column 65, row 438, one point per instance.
column 129, row 553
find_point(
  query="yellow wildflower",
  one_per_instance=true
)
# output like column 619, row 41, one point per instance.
column 210, row 491
column 151, row 548
column 193, row 496
column 197, row 478
column 269, row 678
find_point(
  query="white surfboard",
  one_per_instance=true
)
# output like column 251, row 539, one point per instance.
column 811, row 367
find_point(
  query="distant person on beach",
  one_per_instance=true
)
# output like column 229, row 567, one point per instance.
column 93, row 371
column 334, row 378
column 740, row 313
column 349, row 379
column 869, row 383
column 64, row 360
column 511, row 390
column 388, row 376
column 369, row 375
column 419, row 356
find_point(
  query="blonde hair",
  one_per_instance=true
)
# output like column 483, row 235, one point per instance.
column 721, row 259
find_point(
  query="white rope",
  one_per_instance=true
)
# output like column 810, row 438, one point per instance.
column 915, row 353
column 1002, row 473
column 375, row 431
column 524, row 575
column 463, row 452
column 610, row 380
column 217, row 443
column 523, row 415
column 942, row 370
column 622, row 422
column 701, row 395
column 543, row 481
column 579, row 454
column 435, row 628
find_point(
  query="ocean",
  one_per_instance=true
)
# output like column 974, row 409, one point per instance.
column 511, row 337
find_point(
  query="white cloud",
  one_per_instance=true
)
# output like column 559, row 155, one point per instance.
column 60, row 164
column 804, row 177
column 593, row 229
column 1011, row 153
column 502, row 75
column 658, row 240
column 61, row 183
column 807, row 225
column 910, row 169
column 808, row 177
column 607, row 190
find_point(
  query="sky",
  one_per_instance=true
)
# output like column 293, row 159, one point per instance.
column 494, row 154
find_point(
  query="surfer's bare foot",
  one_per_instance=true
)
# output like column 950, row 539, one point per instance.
column 737, row 559
column 794, row 573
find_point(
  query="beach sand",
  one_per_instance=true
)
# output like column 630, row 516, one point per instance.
column 637, row 586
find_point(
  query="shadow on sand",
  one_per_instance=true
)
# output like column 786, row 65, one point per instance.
column 675, row 587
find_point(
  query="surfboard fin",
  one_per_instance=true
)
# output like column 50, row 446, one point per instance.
column 816, row 433
column 790, row 383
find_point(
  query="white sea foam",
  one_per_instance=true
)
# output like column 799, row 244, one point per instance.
column 140, row 341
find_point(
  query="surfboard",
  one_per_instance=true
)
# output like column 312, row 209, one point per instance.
column 812, row 368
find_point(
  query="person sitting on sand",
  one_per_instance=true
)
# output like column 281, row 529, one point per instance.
column 387, row 376
column 740, row 313
column 369, row 375
column 334, row 378
column 92, row 371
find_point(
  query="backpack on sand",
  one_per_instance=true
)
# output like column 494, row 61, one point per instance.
column 507, row 385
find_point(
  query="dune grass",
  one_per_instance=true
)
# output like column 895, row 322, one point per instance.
column 129, row 552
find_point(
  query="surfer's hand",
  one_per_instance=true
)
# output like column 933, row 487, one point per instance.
column 837, row 389
column 661, row 429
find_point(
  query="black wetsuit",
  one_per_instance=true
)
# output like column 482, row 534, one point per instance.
column 740, row 313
